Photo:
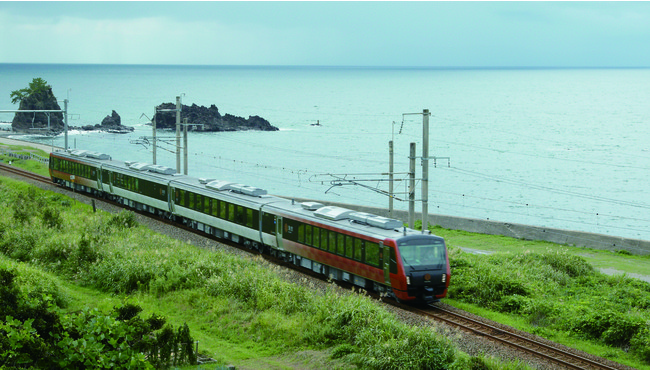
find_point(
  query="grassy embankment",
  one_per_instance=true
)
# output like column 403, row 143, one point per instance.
column 556, row 292
column 33, row 166
column 241, row 310
column 539, row 287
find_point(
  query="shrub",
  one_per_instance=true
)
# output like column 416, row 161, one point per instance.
column 123, row 220
column 572, row 265
column 613, row 328
column 640, row 344
column 409, row 348
column 52, row 218
column 513, row 303
column 19, row 243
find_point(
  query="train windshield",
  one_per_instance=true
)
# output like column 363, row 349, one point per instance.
column 420, row 253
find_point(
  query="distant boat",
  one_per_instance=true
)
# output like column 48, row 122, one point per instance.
column 316, row 124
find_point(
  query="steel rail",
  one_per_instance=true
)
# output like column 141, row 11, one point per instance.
column 522, row 343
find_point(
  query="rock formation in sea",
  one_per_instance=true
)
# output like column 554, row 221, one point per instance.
column 210, row 118
column 40, row 100
column 111, row 123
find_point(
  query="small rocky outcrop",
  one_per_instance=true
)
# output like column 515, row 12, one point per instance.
column 211, row 119
column 40, row 100
column 111, row 123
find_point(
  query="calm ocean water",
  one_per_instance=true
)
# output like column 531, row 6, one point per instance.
column 564, row 148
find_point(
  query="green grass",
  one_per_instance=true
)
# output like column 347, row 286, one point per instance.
column 555, row 294
column 242, row 310
column 26, row 164
column 246, row 311
column 502, row 244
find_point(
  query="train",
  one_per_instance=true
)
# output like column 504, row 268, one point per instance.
column 372, row 252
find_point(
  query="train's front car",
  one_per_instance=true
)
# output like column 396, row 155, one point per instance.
column 425, row 263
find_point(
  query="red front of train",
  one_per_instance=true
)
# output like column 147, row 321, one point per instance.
column 423, row 271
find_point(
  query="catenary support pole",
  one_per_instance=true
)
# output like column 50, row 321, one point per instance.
column 178, row 134
column 153, row 128
column 412, row 186
column 390, row 179
column 185, row 146
column 65, row 122
column 425, row 170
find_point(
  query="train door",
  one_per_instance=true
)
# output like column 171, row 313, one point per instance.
column 386, row 255
column 100, row 184
column 278, row 231
column 107, row 181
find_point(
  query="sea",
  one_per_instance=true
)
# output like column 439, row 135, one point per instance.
column 566, row 148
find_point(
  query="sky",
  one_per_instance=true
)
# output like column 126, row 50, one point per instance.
column 328, row 33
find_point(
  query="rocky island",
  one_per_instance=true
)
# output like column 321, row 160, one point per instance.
column 111, row 123
column 39, row 96
column 210, row 118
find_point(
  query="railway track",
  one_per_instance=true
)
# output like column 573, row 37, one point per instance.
column 552, row 354
column 557, row 356
column 20, row 172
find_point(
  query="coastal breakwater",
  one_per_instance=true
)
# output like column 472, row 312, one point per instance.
column 519, row 231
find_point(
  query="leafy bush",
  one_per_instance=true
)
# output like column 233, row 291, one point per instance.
column 52, row 218
column 18, row 243
column 123, row 220
column 368, row 336
column 34, row 332
column 640, row 343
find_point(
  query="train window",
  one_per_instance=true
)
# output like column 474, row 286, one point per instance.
column 332, row 242
column 340, row 244
column 349, row 246
column 358, row 249
column 417, row 253
column 372, row 253
column 308, row 234
column 316, row 236
column 192, row 200
column 323, row 239
column 249, row 218
column 301, row 233
column 268, row 223
column 231, row 212
column 206, row 205
column 240, row 217
column 214, row 207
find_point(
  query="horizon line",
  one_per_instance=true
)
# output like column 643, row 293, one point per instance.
column 342, row 66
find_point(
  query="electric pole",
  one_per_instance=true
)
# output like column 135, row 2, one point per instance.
column 65, row 122
column 153, row 127
column 178, row 134
column 390, row 179
column 425, row 170
column 185, row 146
column 412, row 186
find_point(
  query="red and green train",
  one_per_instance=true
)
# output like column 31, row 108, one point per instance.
column 373, row 252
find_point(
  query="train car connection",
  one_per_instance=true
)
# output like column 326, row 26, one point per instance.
column 370, row 251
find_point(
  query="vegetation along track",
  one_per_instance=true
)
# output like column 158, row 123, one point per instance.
column 20, row 172
column 561, row 357
column 552, row 354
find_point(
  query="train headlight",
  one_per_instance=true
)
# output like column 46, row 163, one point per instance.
column 408, row 280
column 444, row 278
